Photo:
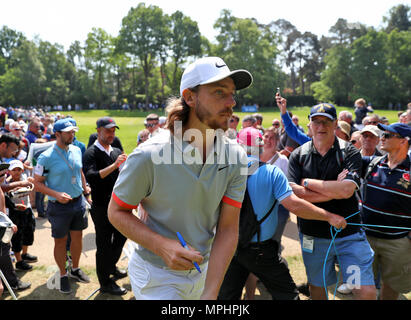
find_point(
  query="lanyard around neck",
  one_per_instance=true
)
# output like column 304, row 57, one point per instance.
column 64, row 158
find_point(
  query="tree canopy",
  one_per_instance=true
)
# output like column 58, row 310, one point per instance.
column 144, row 62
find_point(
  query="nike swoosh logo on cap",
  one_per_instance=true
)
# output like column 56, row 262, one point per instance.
column 220, row 65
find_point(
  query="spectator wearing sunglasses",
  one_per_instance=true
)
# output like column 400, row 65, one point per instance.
column 152, row 124
column 355, row 139
column 372, row 120
column 16, row 130
column 386, row 201
column 232, row 131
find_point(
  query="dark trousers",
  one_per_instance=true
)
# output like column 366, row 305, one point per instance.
column 109, row 243
column 6, row 266
column 26, row 225
column 264, row 261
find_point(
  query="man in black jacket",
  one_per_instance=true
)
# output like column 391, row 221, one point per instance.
column 101, row 164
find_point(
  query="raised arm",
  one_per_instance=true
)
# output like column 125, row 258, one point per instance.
column 289, row 126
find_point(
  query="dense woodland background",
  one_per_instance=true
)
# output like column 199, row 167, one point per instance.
column 144, row 62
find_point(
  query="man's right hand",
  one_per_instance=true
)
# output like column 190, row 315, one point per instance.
column 177, row 257
column 337, row 221
column 63, row 197
column 120, row 159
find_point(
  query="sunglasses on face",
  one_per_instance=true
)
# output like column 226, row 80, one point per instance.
column 150, row 125
column 276, row 124
column 373, row 122
column 389, row 135
column 353, row 141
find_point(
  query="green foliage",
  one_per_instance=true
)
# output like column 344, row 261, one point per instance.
column 244, row 43
column 147, row 58
column 185, row 41
column 322, row 92
column 336, row 77
column 399, row 18
column 368, row 68
column 142, row 37
column 24, row 83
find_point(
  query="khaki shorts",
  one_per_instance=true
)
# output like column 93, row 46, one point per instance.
column 393, row 259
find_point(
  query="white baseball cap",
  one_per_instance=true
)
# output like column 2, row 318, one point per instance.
column 8, row 122
column 373, row 129
column 212, row 69
column 16, row 164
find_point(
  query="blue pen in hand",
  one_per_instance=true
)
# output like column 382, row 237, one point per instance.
column 183, row 243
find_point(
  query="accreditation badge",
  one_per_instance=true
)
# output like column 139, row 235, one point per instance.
column 308, row 244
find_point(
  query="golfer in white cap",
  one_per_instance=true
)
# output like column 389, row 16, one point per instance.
column 200, row 201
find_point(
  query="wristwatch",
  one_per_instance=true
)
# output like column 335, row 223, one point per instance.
column 305, row 183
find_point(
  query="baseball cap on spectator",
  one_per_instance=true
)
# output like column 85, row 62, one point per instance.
column 16, row 164
column 72, row 121
column 152, row 116
column 212, row 69
column 106, row 122
column 402, row 129
column 323, row 109
column 8, row 122
column 345, row 127
column 250, row 137
column 373, row 129
column 15, row 126
column 64, row 125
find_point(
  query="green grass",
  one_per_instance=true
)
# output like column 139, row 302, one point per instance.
column 131, row 122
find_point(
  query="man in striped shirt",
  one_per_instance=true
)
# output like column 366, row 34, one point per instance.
column 387, row 202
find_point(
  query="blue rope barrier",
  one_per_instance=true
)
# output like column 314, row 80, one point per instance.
column 332, row 243
column 378, row 226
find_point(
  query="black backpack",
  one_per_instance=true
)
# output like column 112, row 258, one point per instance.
column 249, row 225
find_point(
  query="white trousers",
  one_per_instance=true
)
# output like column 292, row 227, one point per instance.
column 150, row 282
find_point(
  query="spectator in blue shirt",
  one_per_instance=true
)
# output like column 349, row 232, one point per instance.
column 267, row 185
column 33, row 132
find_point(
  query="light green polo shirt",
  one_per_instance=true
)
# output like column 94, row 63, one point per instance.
column 179, row 195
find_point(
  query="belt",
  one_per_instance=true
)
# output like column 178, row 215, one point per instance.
column 70, row 201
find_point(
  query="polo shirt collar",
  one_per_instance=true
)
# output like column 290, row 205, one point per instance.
column 99, row 146
column 405, row 163
column 187, row 148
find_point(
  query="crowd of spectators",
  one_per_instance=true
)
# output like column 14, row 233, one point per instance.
column 364, row 133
